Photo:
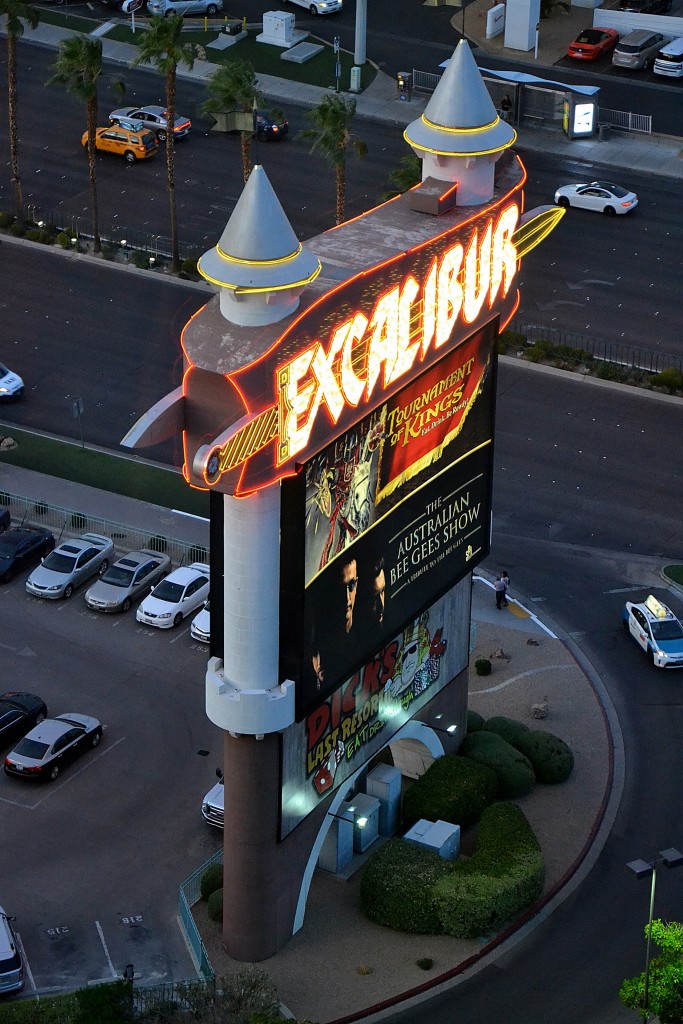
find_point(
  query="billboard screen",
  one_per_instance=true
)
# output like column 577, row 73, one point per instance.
column 343, row 732
column 395, row 511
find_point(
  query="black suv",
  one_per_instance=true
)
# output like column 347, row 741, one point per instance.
column 645, row 6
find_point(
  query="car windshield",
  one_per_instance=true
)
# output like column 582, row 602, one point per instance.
column 35, row 749
column 58, row 562
column 591, row 36
column 667, row 630
column 118, row 577
column 3, row 371
column 168, row 591
column 616, row 190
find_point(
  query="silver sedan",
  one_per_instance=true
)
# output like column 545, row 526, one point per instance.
column 71, row 563
column 132, row 576
column 155, row 120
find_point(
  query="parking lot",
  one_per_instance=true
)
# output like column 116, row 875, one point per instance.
column 90, row 864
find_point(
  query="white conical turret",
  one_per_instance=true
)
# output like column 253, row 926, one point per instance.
column 259, row 263
column 460, row 135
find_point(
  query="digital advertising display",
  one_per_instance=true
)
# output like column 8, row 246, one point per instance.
column 345, row 730
column 386, row 519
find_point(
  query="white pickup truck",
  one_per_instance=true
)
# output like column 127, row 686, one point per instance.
column 212, row 804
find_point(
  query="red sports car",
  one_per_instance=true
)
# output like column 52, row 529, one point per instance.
column 593, row 43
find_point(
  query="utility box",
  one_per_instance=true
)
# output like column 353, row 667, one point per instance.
column 337, row 848
column 384, row 783
column 440, row 836
column 365, row 812
column 404, row 85
column 355, row 79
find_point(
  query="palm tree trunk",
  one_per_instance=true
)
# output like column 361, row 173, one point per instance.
column 170, row 167
column 12, row 125
column 340, row 178
column 245, row 140
column 92, row 125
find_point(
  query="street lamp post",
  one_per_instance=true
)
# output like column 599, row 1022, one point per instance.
column 670, row 858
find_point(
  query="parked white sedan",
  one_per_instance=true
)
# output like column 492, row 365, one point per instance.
column 600, row 196
column 181, row 593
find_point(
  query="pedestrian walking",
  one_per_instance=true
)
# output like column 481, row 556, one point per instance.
column 505, row 107
column 499, row 588
column 506, row 581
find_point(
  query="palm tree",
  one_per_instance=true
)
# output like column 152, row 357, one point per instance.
column 233, row 86
column 162, row 47
column 406, row 176
column 17, row 12
column 79, row 68
column 331, row 134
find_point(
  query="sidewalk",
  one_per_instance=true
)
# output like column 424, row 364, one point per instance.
column 649, row 153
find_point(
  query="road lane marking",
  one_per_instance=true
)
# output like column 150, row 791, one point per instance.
column 106, row 951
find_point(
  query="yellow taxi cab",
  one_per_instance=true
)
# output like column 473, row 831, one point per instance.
column 128, row 138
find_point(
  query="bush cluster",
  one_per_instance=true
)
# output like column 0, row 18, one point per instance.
column 513, row 770
column 414, row 890
column 550, row 757
column 452, row 789
column 211, row 880
column 508, row 728
column 475, row 721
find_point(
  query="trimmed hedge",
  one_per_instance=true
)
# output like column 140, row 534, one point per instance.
column 452, row 789
column 550, row 757
column 503, row 876
column 214, row 905
column 412, row 889
column 508, row 728
column 396, row 889
column 475, row 721
column 211, row 880
column 514, row 771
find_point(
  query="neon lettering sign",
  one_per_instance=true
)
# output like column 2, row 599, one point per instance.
column 407, row 321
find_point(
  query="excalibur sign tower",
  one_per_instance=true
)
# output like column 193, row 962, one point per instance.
column 338, row 401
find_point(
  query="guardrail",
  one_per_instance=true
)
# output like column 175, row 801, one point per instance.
column 71, row 522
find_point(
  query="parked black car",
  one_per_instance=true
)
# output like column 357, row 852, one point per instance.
column 645, row 6
column 22, row 547
column 269, row 128
column 5, row 520
column 19, row 712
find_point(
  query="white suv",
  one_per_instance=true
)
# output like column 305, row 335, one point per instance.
column 319, row 6
column 11, row 964
column 183, row 7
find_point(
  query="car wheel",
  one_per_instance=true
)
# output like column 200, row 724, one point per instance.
column 130, row 156
column 103, row 568
column 126, row 605
column 313, row 9
column 161, row 136
column 563, row 202
column 211, row 10
column 609, row 211
column 178, row 619
column 95, row 741
column 53, row 773
column 68, row 591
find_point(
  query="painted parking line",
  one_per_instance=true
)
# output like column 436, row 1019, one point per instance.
column 27, row 966
column 106, row 951
column 65, row 781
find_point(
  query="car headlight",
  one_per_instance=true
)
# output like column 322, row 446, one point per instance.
column 4, row 391
column 165, row 615
column 57, row 586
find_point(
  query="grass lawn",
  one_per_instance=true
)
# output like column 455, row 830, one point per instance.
column 674, row 573
column 264, row 59
column 108, row 471
column 63, row 20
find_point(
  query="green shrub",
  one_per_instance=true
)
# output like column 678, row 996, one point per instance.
column 504, row 875
column 452, row 789
column 670, row 378
column 45, row 236
column 550, row 757
column 475, row 721
column 157, row 543
column 513, row 770
column 425, row 963
column 17, row 229
column 189, row 267
column 6, row 219
column 140, row 259
column 508, row 728
column 64, row 239
column 482, row 667
column 396, row 887
column 211, row 880
column 108, row 251
column 511, row 339
column 214, row 905
column 249, row 991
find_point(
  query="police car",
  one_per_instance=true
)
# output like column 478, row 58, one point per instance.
column 657, row 630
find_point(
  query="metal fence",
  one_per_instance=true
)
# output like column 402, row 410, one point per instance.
column 189, row 894
column 635, row 357
column 624, row 120
column 71, row 522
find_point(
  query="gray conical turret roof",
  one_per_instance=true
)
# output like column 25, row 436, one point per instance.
column 258, row 250
column 460, row 118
